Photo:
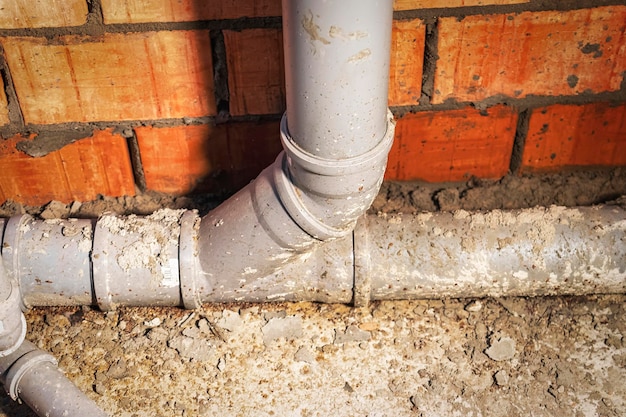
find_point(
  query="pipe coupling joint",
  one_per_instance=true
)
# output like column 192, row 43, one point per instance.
column 189, row 268
column 21, row 366
column 12, row 325
column 12, row 321
column 346, row 187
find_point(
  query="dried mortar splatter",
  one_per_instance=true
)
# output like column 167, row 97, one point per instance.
column 147, row 239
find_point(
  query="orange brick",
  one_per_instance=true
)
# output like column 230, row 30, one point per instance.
column 407, row 57
column 17, row 14
column 253, row 146
column 399, row 5
column 4, row 106
column 439, row 146
column 116, row 77
column 80, row 171
column 141, row 11
column 256, row 78
column 201, row 158
column 569, row 135
column 544, row 53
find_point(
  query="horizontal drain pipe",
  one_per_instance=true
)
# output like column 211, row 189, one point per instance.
column 154, row 260
column 29, row 374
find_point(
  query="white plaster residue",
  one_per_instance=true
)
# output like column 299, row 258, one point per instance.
column 567, row 272
column 461, row 214
column 363, row 54
column 249, row 270
column 115, row 224
column 395, row 219
column 422, row 218
column 338, row 33
column 520, row 274
column 138, row 255
column 86, row 241
column 619, row 225
column 25, row 227
column 275, row 296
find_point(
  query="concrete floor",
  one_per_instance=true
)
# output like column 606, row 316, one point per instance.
column 563, row 356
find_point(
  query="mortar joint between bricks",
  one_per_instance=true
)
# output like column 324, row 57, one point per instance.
column 430, row 62
column 135, row 159
column 16, row 118
column 519, row 141
column 429, row 14
column 220, row 76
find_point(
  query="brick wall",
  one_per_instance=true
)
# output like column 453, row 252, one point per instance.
column 116, row 97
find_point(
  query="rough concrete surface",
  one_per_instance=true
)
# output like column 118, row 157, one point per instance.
column 488, row 357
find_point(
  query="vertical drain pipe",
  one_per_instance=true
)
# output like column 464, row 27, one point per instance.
column 336, row 136
column 336, row 74
column 337, row 130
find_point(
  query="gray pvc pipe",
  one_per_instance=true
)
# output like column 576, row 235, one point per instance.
column 31, row 376
column 540, row 251
column 336, row 74
column 50, row 259
column 12, row 321
column 135, row 260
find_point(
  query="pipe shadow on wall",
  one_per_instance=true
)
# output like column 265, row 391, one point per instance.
column 225, row 156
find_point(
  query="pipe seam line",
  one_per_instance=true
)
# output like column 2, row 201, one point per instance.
column 362, row 280
column 101, row 277
column 290, row 187
column 189, row 264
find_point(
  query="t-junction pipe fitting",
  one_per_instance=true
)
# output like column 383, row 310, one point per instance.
column 336, row 135
column 325, row 197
